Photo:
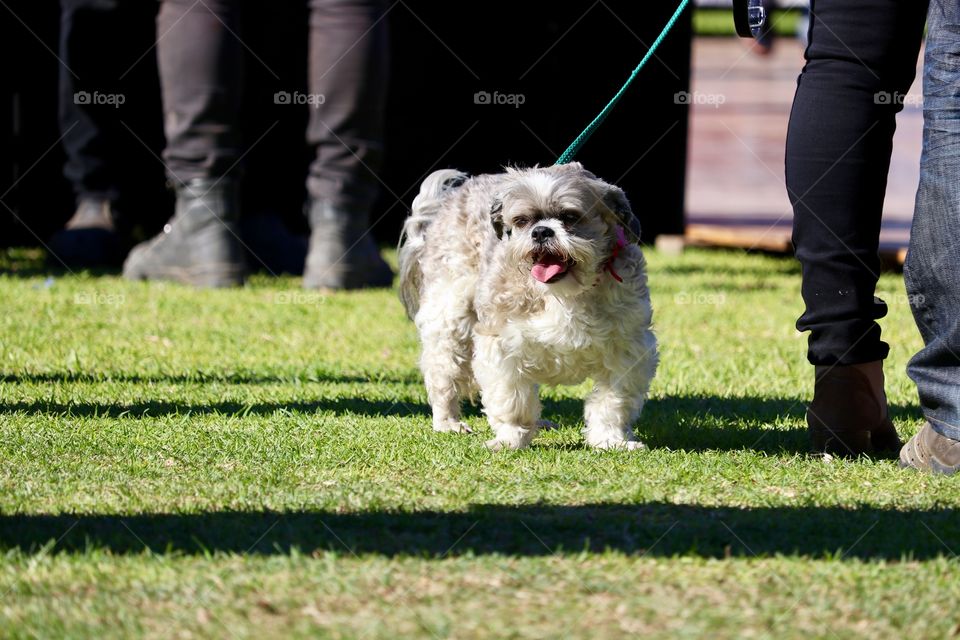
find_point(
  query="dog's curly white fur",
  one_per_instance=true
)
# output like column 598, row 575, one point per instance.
column 514, row 280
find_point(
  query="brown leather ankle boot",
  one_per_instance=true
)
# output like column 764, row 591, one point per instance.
column 848, row 415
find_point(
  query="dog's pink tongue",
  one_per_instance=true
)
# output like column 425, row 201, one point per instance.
column 547, row 268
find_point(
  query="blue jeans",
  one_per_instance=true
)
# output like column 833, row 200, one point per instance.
column 932, row 271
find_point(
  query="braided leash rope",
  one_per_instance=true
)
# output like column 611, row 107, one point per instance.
column 579, row 141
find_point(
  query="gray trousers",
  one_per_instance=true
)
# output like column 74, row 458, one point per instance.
column 201, row 52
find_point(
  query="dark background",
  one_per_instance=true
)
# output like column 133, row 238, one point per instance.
column 566, row 59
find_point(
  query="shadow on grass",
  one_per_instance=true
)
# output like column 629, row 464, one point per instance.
column 654, row 529
column 688, row 423
column 40, row 266
column 157, row 408
column 702, row 423
column 200, row 377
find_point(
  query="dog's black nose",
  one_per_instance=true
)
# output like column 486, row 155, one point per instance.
column 541, row 233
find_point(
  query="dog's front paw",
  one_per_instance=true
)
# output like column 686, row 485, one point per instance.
column 451, row 425
column 504, row 445
column 511, row 437
column 628, row 445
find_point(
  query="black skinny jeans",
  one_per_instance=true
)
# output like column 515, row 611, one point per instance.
column 861, row 57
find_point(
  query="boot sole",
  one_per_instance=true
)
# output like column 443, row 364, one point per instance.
column 214, row 276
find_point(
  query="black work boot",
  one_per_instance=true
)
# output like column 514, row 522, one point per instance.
column 90, row 237
column 200, row 245
column 342, row 253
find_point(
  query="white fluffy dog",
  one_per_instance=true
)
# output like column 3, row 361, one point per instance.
column 523, row 278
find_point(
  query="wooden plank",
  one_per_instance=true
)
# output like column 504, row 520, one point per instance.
column 775, row 239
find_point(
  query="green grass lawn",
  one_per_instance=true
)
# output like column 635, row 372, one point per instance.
column 259, row 463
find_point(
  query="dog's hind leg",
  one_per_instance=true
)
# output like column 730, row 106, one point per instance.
column 445, row 326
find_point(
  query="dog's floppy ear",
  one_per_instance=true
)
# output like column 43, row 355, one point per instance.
column 496, row 217
column 616, row 201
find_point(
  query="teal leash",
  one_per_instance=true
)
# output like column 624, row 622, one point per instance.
column 571, row 151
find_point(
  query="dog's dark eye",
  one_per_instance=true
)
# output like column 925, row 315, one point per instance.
column 570, row 217
column 521, row 221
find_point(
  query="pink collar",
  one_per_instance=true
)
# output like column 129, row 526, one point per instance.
column 621, row 243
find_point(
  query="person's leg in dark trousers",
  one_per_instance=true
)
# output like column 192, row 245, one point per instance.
column 105, row 84
column 932, row 272
column 348, row 68
column 201, row 71
column 861, row 60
